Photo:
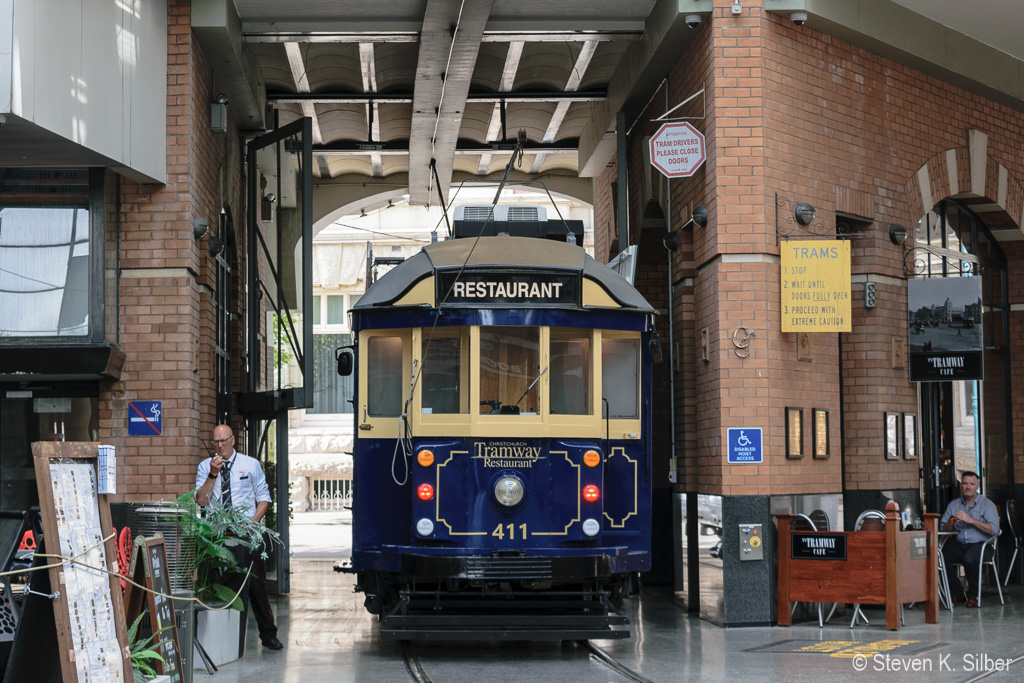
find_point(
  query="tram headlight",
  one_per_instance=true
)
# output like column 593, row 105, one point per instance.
column 591, row 493
column 425, row 492
column 425, row 458
column 591, row 458
column 590, row 526
column 425, row 527
column 508, row 491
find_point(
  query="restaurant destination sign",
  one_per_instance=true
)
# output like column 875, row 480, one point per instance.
column 815, row 286
column 496, row 287
column 818, row 546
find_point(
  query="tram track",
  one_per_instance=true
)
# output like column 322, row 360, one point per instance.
column 412, row 664
column 419, row 675
column 612, row 663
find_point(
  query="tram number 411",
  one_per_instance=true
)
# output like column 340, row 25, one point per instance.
column 499, row 531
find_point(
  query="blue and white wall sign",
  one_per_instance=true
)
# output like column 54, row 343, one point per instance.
column 144, row 418
column 745, row 445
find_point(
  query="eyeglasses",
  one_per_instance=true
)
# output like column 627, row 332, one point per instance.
column 217, row 442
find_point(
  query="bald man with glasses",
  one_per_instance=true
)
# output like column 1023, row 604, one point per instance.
column 234, row 479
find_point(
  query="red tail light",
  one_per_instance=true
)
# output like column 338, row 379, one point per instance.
column 425, row 492
column 590, row 493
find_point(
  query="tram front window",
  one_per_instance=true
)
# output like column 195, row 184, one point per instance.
column 620, row 377
column 442, row 372
column 570, row 373
column 509, row 369
column 384, row 370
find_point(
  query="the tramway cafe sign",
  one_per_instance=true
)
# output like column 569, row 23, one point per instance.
column 818, row 546
column 492, row 287
column 946, row 340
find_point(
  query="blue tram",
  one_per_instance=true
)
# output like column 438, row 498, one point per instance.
column 502, row 459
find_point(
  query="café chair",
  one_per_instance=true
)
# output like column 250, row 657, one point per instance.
column 1016, row 528
column 802, row 522
column 990, row 558
column 869, row 520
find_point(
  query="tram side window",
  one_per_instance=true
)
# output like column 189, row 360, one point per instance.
column 620, row 377
column 442, row 370
column 509, row 368
column 384, row 377
column 570, row 375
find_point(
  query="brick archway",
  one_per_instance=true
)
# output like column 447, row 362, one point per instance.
column 970, row 171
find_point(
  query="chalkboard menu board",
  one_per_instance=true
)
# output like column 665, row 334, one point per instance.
column 89, row 615
column 149, row 568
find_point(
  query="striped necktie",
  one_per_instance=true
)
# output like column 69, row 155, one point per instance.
column 225, row 485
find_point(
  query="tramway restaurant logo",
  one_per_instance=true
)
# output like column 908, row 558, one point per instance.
column 514, row 454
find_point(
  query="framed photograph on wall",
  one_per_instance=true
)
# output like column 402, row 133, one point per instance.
column 794, row 432
column 819, row 418
column 909, row 436
column 892, row 436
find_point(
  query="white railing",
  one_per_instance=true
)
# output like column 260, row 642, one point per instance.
column 329, row 494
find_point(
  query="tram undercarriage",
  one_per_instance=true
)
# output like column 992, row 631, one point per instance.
column 501, row 599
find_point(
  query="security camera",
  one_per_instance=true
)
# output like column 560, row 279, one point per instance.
column 798, row 18
column 693, row 20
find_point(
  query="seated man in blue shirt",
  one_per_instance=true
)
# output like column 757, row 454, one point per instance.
column 976, row 520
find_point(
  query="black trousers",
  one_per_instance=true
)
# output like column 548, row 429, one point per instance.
column 967, row 554
column 255, row 598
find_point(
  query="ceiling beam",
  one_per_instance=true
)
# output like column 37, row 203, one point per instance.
column 297, row 65
column 368, row 67
column 449, row 45
column 395, row 148
column 413, row 36
column 405, row 98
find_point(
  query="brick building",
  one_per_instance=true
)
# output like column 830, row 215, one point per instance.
column 160, row 199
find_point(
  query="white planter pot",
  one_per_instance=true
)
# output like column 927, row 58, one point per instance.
column 218, row 634
column 160, row 679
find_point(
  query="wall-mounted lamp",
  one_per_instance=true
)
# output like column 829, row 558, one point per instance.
column 219, row 114
column 897, row 233
column 671, row 240
column 804, row 213
column 216, row 245
column 700, row 215
column 200, row 228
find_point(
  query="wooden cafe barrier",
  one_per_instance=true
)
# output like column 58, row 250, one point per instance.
column 860, row 567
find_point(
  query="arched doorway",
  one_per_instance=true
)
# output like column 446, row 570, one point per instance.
column 965, row 424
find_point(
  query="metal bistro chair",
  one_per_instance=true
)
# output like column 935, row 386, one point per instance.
column 802, row 522
column 869, row 520
column 1015, row 526
column 990, row 558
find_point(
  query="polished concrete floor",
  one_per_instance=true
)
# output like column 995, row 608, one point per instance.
column 330, row 638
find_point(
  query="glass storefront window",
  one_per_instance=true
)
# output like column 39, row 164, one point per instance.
column 509, row 370
column 44, row 272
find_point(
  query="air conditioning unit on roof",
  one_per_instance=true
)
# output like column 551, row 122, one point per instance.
column 502, row 213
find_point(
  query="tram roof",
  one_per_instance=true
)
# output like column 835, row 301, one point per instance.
column 516, row 253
